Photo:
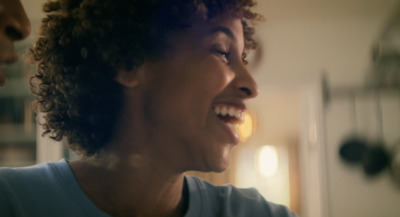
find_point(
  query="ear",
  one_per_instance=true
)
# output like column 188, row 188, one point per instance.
column 126, row 78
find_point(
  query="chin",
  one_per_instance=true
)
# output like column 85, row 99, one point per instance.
column 219, row 170
column 220, row 166
column 222, row 162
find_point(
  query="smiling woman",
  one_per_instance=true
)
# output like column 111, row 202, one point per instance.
column 144, row 91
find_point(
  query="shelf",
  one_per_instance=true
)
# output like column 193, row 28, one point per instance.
column 16, row 163
column 355, row 92
column 17, row 124
column 16, row 87
column 17, row 133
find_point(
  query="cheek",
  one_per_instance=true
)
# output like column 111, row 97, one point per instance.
column 214, row 76
column 190, row 83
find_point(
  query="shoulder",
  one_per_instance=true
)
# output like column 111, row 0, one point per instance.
column 25, row 189
column 39, row 172
column 20, row 182
column 48, row 189
column 233, row 201
column 27, row 179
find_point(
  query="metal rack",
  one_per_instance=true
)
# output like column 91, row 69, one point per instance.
column 357, row 91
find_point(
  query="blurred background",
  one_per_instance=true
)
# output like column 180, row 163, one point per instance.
column 328, row 71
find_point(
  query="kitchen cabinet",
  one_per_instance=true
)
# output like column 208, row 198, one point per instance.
column 17, row 121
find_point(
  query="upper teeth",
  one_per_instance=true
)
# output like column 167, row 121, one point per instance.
column 229, row 110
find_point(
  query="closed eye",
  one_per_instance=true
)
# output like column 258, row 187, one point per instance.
column 223, row 54
column 244, row 60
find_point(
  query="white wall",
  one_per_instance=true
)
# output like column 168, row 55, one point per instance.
column 304, row 37
column 33, row 8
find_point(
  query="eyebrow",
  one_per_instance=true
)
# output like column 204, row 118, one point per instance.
column 224, row 30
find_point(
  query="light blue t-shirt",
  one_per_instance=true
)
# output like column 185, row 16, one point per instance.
column 50, row 189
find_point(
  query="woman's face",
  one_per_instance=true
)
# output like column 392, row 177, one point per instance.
column 195, row 94
column 14, row 26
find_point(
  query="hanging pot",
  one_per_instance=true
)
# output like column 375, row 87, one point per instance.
column 395, row 160
column 395, row 164
column 376, row 158
column 353, row 147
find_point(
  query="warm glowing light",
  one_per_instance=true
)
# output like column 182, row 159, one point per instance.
column 246, row 128
column 267, row 160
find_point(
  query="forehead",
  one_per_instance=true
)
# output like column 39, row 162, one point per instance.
column 201, row 33
column 225, row 23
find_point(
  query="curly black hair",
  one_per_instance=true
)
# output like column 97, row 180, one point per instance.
column 83, row 43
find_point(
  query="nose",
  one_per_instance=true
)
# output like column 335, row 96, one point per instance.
column 14, row 23
column 245, row 82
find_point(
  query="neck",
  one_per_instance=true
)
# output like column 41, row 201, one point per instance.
column 131, row 186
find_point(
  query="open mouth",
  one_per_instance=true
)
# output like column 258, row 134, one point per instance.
column 229, row 114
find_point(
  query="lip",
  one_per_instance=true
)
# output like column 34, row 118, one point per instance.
column 237, row 104
column 231, row 131
column 3, row 73
column 2, row 76
column 7, row 57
